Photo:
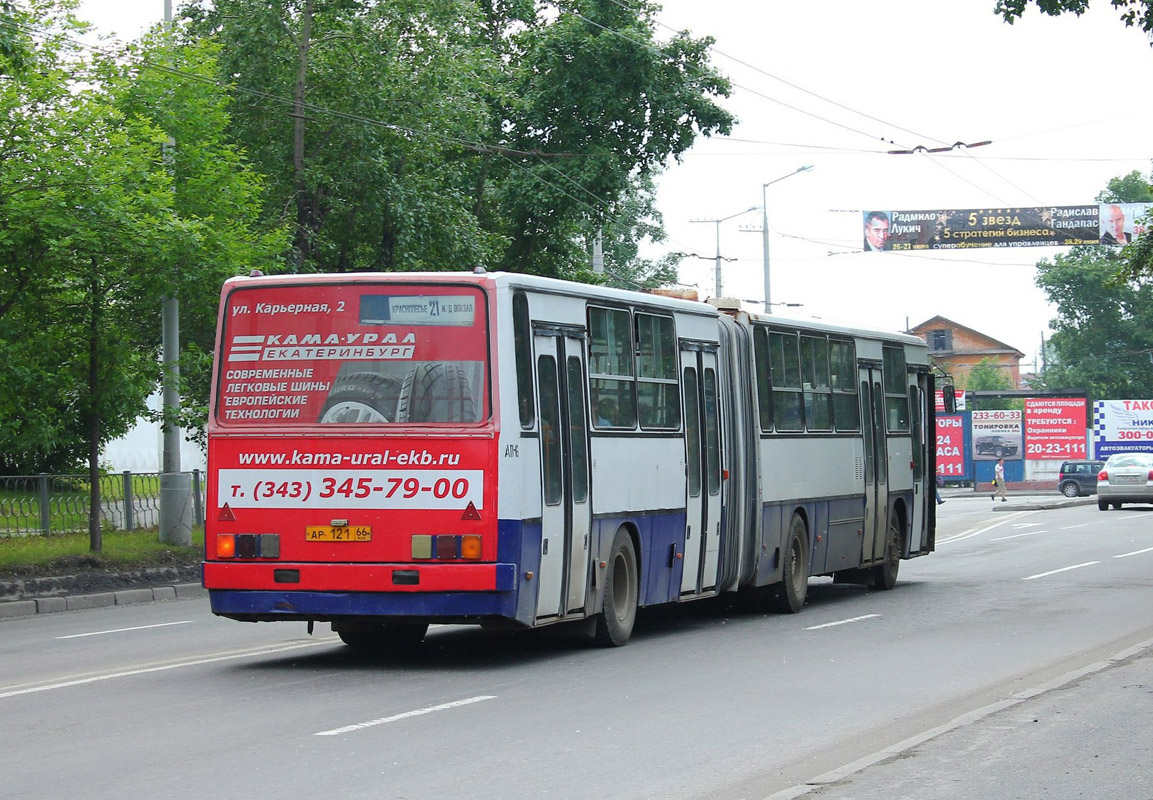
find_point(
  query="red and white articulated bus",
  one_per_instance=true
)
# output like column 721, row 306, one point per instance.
column 388, row 451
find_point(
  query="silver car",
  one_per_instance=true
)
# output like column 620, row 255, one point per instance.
column 1125, row 478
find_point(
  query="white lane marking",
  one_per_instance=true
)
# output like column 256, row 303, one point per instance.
column 1063, row 569
column 1016, row 536
column 1026, row 524
column 1135, row 553
column 123, row 630
column 417, row 713
column 1133, row 516
column 978, row 531
column 841, row 622
column 164, row 667
column 1071, row 527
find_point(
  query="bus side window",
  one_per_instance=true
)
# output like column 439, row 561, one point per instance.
column 658, row 396
column 764, row 382
column 522, row 347
column 611, row 367
column 896, row 399
column 785, row 367
column 846, row 408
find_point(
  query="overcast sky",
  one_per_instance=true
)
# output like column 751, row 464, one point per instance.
column 836, row 84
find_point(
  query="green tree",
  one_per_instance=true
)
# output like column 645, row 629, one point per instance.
column 101, row 217
column 1133, row 12
column 436, row 135
column 1103, row 332
column 989, row 376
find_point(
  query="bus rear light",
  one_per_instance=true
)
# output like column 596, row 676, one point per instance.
column 446, row 547
column 248, row 545
column 470, row 547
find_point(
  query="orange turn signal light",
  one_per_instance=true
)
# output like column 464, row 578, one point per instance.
column 470, row 547
column 226, row 546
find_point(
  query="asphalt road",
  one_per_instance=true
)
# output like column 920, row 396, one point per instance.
column 1016, row 617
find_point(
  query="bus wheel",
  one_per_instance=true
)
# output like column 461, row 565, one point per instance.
column 789, row 594
column 397, row 635
column 619, row 612
column 885, row 574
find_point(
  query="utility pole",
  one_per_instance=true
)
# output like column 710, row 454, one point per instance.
column 765, row 229
column 718, row 222
column 175, row 486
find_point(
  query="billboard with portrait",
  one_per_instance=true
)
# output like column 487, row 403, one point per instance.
column 1039, row 226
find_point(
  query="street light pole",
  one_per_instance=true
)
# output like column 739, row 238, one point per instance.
column 718, row 222
column 765, row 228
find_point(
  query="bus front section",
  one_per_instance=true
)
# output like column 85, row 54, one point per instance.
column 351, row 456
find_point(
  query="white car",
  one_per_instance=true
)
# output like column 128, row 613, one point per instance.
column 1125, row 478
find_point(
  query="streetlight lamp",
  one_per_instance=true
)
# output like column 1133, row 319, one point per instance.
column 718, row 222
column 765, row 227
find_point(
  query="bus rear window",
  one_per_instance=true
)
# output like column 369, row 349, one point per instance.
column 353, row 353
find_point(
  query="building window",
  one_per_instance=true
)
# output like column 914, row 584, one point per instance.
column 940, row 339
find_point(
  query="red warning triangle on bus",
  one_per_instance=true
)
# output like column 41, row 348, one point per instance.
column 470, row 512
column 226, row 514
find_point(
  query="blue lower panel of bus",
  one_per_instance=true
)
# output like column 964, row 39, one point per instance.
column 305, row 605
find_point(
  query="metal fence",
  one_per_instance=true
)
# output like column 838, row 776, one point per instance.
column 39, row 504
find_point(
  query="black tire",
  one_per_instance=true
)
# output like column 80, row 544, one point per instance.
column 361, row 397
column 1102, row 505
column 392, row 636
column 436, row 392
column 789, row 595
column 1117, row 506
column 1070, row 489
column 622, row 591
column 999, row 452
column 885, row 573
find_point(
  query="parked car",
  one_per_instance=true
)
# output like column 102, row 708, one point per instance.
column 1125, row 478
column 1078, row 478
column 997, row 446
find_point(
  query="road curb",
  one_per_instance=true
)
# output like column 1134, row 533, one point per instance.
column 50, row 605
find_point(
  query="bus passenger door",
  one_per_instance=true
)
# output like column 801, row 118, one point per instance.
column 565, row 512
column 876, row 463
column 703, row 468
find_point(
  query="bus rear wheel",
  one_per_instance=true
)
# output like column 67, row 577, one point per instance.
column 789, row 595
column 885, row 573
column 396, row 635
column 619, row 610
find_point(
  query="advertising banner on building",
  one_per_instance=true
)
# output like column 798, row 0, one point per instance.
column 1041, row 226
column 951, row 445
column 996, row 434
column 1054, row 428
column 1122, row 426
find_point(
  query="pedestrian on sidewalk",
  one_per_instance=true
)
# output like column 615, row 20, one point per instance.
column 937, row 488
column 999, row 482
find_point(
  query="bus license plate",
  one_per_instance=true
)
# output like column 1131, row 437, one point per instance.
column 338, row 533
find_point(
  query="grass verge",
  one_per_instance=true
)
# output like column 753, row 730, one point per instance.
column 122, row 550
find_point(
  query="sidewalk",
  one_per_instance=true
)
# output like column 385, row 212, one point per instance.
column 1020, row 499
column 20, row 597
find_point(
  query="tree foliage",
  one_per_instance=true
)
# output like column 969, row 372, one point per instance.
column 101, row 217
column 1103, row 333
column 438, row 135
column 1138, row 13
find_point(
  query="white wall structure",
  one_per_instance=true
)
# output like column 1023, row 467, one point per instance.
column 139, row 449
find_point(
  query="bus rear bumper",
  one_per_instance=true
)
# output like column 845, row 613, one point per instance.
column 452, row 607
column 401, row 578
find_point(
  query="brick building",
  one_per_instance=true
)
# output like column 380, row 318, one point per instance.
column 957, row 349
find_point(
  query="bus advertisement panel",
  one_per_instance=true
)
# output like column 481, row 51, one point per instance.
column 1054, row 428
column 1122, row 426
